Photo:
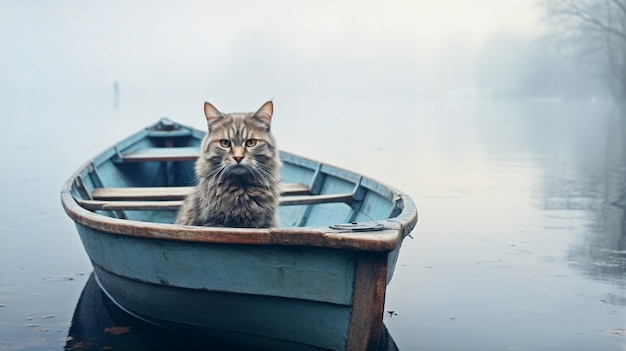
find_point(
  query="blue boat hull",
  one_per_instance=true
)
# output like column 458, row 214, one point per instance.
column 281, row 295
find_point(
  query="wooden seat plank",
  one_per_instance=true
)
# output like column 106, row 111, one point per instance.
column 174, row 205
column 316, row 199
column 129, row 205
column 173, row 193
column 141, row 193
column 162, row 154
column 294, row 189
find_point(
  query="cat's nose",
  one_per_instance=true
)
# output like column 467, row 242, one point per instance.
column 238, row 158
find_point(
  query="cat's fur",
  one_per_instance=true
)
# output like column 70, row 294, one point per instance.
column 237, row 171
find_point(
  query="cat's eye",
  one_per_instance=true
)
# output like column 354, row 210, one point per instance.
column 224, row 143
column 250, row 142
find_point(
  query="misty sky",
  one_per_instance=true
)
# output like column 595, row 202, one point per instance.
column 159, row 49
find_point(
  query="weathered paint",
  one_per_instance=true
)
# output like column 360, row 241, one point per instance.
column 318, row 274
column 208, row 312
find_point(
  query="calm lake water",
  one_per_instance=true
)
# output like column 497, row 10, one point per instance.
column 520, row 244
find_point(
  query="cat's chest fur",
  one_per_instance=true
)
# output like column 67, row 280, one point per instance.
column 237, row 205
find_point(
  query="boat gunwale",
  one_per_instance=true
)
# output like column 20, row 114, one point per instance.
column 394, row 230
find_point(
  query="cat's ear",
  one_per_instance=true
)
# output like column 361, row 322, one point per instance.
column 211, row 113
column 265, row 113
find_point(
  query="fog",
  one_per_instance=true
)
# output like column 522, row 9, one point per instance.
column 503, row 139
column 156, row 51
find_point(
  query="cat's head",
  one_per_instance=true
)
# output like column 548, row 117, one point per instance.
column 240, row 144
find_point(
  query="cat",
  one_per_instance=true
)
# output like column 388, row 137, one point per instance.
column 237, row 172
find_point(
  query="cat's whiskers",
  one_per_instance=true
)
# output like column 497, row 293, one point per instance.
column 262, row 174
column 216, row 173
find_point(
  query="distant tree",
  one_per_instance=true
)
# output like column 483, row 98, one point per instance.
column 596, row 28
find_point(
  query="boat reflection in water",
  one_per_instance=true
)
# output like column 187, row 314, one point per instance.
column 99, row 324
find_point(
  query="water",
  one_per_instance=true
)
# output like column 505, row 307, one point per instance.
column 520, row 243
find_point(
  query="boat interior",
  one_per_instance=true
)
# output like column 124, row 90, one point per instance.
column 147, row 176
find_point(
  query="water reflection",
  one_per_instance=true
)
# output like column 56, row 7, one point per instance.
column 594, row 190
column 98, row 324
column 520, row 243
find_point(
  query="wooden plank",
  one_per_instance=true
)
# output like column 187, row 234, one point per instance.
column 162, row 154
column 173, row 193
column 368, row 302
column 129, row 205
column 142, row 193
column 294, row 189
column 174, row 205
column 316, row 199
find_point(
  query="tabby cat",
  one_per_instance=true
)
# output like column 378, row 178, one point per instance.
column 237, row 172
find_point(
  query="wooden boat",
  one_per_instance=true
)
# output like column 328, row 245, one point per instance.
column 317, row 281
